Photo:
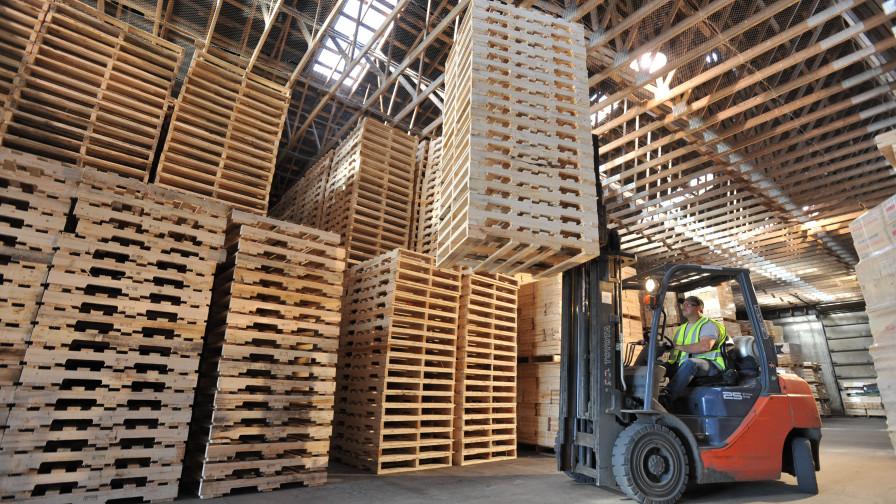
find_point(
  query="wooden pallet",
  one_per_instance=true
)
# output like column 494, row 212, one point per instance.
column 264, row 406
column 108, row 378
column 367, row 194
column 395, row 393
column 427, row 223
column 485, row 392
column 224, row 134
column 518, row 181
column 90, row 90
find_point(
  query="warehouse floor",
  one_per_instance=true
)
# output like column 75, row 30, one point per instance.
column 858, row 465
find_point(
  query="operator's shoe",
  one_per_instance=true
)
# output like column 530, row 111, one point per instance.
column 665, row 399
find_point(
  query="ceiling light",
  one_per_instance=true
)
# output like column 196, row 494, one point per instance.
column 649, row 62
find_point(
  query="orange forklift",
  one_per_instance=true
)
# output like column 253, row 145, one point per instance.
column 750, row 423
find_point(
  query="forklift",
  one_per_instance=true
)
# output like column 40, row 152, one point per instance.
column 748, row 424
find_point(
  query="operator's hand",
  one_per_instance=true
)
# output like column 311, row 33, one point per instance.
column 667, row 346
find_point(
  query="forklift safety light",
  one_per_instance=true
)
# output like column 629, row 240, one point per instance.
column 650, row 285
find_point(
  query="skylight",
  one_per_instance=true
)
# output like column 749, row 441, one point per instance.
column 334, row 56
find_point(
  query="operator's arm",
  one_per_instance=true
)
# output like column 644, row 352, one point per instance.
column 709, row 334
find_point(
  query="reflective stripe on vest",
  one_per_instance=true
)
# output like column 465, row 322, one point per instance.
column 692, row 336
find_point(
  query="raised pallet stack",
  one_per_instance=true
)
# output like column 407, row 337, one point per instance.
column 518, row 182
column 104, row 403
column 264, row 404
column 427, row 222
column 35, row 197
column 485, row 392
column 224, row 134
column 395, row 384
column 90, row 90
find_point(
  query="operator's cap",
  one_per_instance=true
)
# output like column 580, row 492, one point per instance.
column 694, row 300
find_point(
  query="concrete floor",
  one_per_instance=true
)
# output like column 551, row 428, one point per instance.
column 858, row 465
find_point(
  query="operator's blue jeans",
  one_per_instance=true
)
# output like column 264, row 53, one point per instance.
column 687, row 371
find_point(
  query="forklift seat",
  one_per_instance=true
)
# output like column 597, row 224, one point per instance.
column 740, row 364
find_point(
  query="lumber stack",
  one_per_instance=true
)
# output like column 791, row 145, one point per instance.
column 518, row 184
column 886, row 142
column 485, row 391
column 538, row 403
column 89, row 90
column 104, row 400
column 367, row 192
column 224, row 134
column 538, row 383
column 35, row 197
column 862, row 399
column 874, row 235
column 395, row 382
column 264, row 404
column 427, row 222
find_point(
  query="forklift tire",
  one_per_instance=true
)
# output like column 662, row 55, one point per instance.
column 650, row 464
column 804, row 465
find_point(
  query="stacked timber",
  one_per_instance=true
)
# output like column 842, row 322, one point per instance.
column 539, row 318
column 224, row 134
column 264, row 404
column 632, row 327
column 538, row 403
column 485, row 390
column 861, row 398
column 518, row 183
column 83, row 88
column 103, row 405
column 874, row 235
column 367, row 192
column 397, row 358
column 427, row 222
column 811, row 372
column 886, row 142
column 35, row 197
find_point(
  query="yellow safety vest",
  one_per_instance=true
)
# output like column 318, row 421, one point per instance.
column 714, row 355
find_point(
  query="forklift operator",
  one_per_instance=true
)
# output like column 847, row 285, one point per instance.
column 697, row 351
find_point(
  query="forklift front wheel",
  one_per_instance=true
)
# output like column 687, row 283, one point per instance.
column 650, row 464
column 804, row 465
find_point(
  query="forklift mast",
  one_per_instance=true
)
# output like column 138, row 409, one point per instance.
column 591, row 380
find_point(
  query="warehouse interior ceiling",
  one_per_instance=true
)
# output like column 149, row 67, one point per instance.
column 733, row 132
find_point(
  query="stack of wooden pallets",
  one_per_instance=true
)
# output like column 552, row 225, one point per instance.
column 420, row 161
column 518, row 182
column 89, row 90
column 368, row 192
column 427, row 222
column 264, row 403
column 304, row 201
column 224, row 134
column 395, row 385
column 35, row 197
column 485, row 392
column 104, row 399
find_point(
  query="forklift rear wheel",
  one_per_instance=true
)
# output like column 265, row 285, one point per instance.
column 804, row 465
column 650, row 464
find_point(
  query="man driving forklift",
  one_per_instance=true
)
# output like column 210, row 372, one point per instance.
column 699, row 343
